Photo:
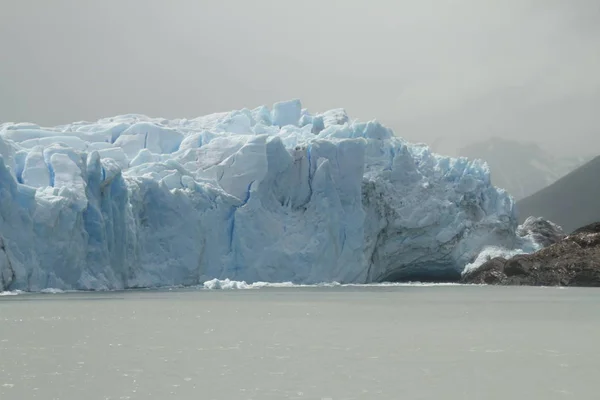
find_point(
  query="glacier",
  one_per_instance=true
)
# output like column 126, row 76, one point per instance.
column 265, row 195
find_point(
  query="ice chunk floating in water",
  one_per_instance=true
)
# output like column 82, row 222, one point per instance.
column 259, row 195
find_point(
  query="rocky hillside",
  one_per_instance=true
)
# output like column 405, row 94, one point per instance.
column 573, row 261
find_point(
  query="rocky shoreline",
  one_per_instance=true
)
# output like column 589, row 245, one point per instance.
column 572, row 261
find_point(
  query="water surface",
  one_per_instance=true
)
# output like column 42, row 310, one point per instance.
column 441, row 342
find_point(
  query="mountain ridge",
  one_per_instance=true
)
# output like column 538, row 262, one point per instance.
column 522, row 169
column 571, row 201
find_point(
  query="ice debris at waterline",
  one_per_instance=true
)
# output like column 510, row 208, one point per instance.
column 251, row 195
column 225, row 284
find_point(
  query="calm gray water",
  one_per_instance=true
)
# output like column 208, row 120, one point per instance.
column 442, row 342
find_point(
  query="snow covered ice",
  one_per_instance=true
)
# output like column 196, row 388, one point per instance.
column 259, row 195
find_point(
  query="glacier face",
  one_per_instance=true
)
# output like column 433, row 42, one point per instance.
column 255, row 195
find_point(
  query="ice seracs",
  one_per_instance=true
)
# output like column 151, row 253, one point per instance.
column 250, row 195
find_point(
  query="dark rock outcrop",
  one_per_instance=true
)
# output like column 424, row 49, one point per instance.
column 573, row 261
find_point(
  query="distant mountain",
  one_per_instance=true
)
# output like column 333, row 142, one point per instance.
column 571, row 202
column 521, row 168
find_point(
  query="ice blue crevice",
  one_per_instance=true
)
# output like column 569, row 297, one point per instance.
column 50, row 169
column 20, row 165
column 318, row 125
column 92, row 217
column 114, row 136
column 231, row 229
column 247, row 197
column 176, row 146
column 93, row 224
column 310, row 172
column 343, row 240
column 116, row 131
column 231, row 216
column 236, row 266
column 117, row 198
column 392, row 156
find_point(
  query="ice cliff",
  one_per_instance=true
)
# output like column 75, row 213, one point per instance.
column 257, row 195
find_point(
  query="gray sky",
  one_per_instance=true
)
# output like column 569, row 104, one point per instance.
column 441, row 71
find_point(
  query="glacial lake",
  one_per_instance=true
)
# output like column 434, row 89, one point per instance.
column 387, row 342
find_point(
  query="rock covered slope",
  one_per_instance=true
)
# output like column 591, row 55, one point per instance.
column 255, row 195
column 572, row 261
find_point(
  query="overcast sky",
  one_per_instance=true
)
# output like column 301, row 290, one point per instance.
column 439, row 71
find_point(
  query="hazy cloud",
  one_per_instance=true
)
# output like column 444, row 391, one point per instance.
column 443, row 71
